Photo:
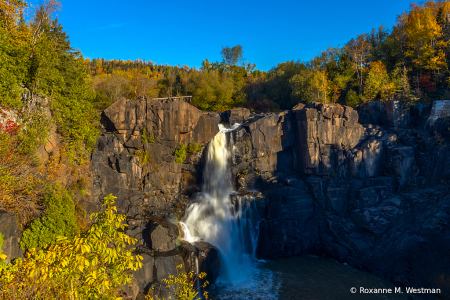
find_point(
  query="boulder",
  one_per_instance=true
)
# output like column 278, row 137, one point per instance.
column 161, row 240
column 166, row 266
column 203, row 255
column 299, row 106
column 160, row 236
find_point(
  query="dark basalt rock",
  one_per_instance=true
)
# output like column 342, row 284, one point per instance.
column 362, row 187
column 11, row 236
column 374, row 113
column 235, row 115
column 151, row 189
column 354, row 194
column 205, row 256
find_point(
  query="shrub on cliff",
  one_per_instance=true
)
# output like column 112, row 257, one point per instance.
column 147, row 137
column 92, row 265
column 59, row 220
column 180, row 153
column 194, row 147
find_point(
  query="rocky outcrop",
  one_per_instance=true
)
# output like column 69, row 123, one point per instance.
column 9, row 228
column 134, row 160
column 404, row 238
column 235, row 115
column 363, row 188
column 202, row 256
column 358, row 193
column 324, row 132
column 289, row 226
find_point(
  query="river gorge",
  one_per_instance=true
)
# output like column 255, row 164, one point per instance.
column 368, row 189
column 300, row 204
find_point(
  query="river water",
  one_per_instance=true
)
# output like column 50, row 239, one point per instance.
column 232, row 227
column 304, row 278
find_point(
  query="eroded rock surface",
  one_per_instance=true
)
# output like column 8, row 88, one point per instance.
column 363, row 188
column 134, row 160
column 373, row 196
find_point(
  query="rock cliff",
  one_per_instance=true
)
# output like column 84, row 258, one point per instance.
column 373, row 195
column 134, row 160
column 376, row 197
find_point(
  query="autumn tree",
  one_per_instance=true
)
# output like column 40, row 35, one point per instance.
column 422, row 31
column 377, row 83
column 10, row 13
column 91, row 265
column 232, row 55
column 359, row 51
column 213, row 91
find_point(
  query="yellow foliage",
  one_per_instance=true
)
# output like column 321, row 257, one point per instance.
column 92, row 265
column 422, row 33
column 181, row 287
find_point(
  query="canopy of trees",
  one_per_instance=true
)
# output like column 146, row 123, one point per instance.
column 384, row 64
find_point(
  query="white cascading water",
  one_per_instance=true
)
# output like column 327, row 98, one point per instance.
column 213, row 217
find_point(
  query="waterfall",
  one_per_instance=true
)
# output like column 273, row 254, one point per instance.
column 214, row 218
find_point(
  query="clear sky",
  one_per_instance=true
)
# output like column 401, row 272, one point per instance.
column 186, row 32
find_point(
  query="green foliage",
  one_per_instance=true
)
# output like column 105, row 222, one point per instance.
column 37, row 126
column 59, row 73
column 11, row 70
column 144, row 157
column 180, row 153
column 301, row 85
column 232, row 55
column 213, row 90
column 403, row 88
column 101, row 101
column 147, row 138
column 193, row 147
column 352, row 99
column 2, row 256
column 59, row 220
column 181, row 287
column 144, row 136
column 151, row 138
column 92, row 265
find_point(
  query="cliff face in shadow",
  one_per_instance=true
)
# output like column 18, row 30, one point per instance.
column 374, row 196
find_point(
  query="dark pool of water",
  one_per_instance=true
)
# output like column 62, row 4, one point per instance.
column 305, row 278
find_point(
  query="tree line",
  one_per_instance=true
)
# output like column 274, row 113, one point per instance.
column 407, row 62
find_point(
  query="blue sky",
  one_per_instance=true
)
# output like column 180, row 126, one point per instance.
column 186, row 32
